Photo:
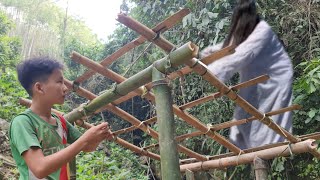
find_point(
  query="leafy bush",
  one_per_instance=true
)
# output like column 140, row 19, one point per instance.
column 121, row 164
column 10, row 91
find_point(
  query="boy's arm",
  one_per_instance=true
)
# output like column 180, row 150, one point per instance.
column 42, row 166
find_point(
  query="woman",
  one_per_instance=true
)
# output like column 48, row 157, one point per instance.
column 258, row 52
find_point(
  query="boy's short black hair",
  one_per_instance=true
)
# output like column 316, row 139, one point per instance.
column 35, row 70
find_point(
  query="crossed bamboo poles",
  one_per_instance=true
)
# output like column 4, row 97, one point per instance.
column 119, row 94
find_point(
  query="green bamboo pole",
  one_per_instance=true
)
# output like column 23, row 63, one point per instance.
column 174, row 59
column 170, row 169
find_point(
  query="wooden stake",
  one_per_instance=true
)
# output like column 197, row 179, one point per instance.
column 260, row 168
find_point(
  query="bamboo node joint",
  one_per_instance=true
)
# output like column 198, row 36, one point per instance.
column 159, row 82
column 114, row 90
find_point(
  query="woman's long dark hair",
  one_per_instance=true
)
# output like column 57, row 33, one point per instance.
column 244, row 20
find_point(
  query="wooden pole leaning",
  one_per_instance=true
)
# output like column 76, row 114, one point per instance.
column 285, row 150
column 161, row 27
column 202, row 70
column 168, row 146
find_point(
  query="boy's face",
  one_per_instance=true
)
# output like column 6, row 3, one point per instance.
column 54, row 90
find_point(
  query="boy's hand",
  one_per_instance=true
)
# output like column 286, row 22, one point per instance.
column 93, row 136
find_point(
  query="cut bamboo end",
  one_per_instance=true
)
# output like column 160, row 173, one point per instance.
column 194, row 48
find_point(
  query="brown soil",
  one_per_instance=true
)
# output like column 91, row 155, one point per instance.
column 8, row 168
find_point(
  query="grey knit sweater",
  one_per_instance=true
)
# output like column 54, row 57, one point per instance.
column 261, row 53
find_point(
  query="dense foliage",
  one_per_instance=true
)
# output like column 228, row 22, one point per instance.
column 295, row 21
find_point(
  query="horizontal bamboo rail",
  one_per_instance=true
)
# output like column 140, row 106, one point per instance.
column 136, row 149
column 297, row 148
column 315, row 136
column 149, row 34
column 202, row 70
column 161, row 27
column 218, row 94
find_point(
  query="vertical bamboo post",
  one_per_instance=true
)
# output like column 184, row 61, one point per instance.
column 170, row 168
column 260, row 168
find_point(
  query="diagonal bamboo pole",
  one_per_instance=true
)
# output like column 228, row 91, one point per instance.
column 202, row 70
column 161, row 27
column 136, row 149
column 150, row 35
column 297, row 148
column 168, row 145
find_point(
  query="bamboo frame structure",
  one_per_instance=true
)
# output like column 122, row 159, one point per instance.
column 180, row 113
column 140, row 84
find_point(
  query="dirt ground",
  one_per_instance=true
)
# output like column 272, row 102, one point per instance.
column 8, row 168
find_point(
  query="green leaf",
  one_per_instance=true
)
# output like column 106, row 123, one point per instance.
column 212, row 15
column 312, row 113
column 205, row 21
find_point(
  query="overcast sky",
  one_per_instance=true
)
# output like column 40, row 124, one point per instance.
column 99, row 15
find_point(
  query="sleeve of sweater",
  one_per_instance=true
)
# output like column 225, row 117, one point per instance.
column 245, row 53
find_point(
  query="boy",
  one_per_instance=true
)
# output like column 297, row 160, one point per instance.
column 37, row 137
